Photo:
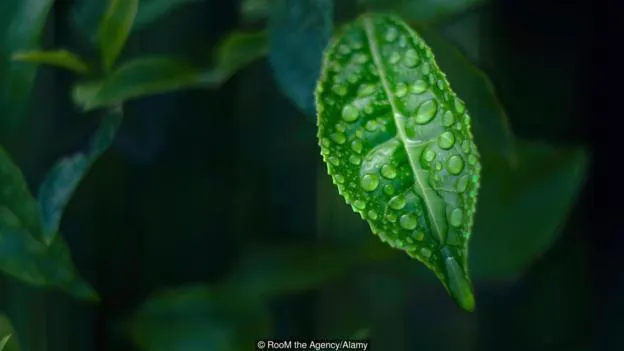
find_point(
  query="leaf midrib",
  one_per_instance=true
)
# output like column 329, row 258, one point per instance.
column 372, row 44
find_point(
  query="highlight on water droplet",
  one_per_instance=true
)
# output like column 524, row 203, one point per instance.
column 408, row 222
column 455, row 164
column 397, row 202
column 356, row 146
column 359, row 204
column 350, row 113
column 456, row 217
column 338, row 138
column 419, row 87
column 426, row 112
column 388, row 171
column 369, row 182
column 448, row 119
column 446, row 140
column 355, row 160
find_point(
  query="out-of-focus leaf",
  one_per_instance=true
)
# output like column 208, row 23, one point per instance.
column 521, row 210
column 152, row 10
column 253, row 10
column 86, row 14
column 115, row 29
column 141, row 77
column 490, row 127
column 21, row 25
column 236, row 51
column 59, row 58
column 420, row 11
column 199, row 318
column 268, row 271
column 4, row 342
column 9, row 340
column 17, row 206
column 299, row 31
column 22, row 255
column 61, row 182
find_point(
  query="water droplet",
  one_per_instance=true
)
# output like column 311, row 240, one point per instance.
column 388, row 189
column 339, row 90
column 446, row 140
column 391, row 217
column 339, row 178
column 466, row 146
column 395, row 57
column 397, row 202
column 459, row 105
column 388, row 171
column 401, row 90
column 334, row 160
column 371, row 125
column 340, row 127
column 408, row 221
column 472, row 159
column 359, row 133
column 325, row 142
column 428, row 155
column 462, row 183
column 355, row 160
column 425, row 69
column 356, row 146
column 419, row 87
column 338, row 138
column 359, row 204
column 457, row 215
column 365, row 90
column 426, row 112
column 402, row 41
column 391, row 34
column 411, row 58
column 343, row 49
column 360, row 58
column 438, row 167
column 372, row 215
column 441, row 84
column 369, row 182
column 350, row 113
column 409, row 240
column 455, row 164
column 425, row 252
column 419, row 236
column 448, row 119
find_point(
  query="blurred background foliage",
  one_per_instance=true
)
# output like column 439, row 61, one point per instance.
column 160, row 167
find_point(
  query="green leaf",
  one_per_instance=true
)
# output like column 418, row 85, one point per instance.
column 62, row 181
column 491, row 128
column 59, row 58
column 152, row 10
column 21, row 25
column 269, row 271
column 521, row 210
column 4, row 341
column 233, row 53
column 254, row 10
column 22, row 254
column 86, row 14
column 398, row 144
column 138, row 78
column 16, row 203
column 9, row 340
column 299, row 31
column 115, row 29
column 199, row 318
column 421, row 11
